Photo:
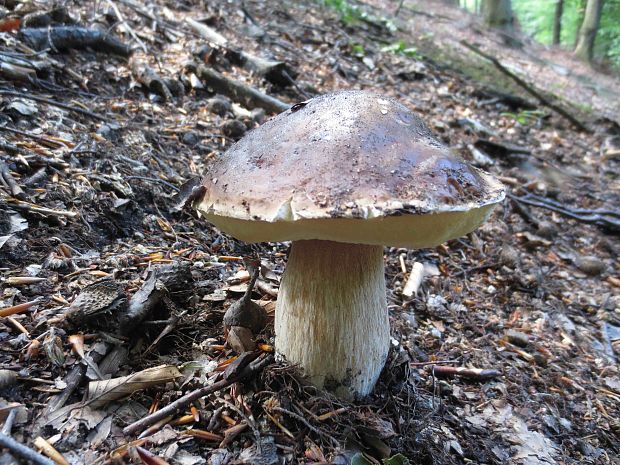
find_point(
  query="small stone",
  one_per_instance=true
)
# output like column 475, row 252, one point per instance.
column 590, row 265
column 258, row 115
column 233, row 128
column 190, row 138
column 219, row 105
column 517, row 338
column 547, row 229
column 509, row 256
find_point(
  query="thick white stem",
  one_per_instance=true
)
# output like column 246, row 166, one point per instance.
column 331, row 315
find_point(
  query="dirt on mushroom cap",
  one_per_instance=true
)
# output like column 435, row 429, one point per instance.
column 348, row 155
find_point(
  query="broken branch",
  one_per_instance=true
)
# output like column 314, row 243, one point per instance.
column 23, row 451
column 240, row 93
column 541, row 98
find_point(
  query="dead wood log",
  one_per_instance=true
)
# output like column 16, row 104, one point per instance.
column 74, row 37
column 528, row 88
column 275, row 71
column 240, row 93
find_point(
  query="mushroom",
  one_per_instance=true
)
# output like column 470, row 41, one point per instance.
column 342, row 175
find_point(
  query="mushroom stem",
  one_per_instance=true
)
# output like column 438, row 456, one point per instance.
column 331, row 315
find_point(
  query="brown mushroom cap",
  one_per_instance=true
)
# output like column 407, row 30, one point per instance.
column 350, row 166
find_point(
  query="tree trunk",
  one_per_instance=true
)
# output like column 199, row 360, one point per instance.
column 557, row 22
column 498, row 14
column 589, row 28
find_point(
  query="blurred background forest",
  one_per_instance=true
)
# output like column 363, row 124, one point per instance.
column 558, row 22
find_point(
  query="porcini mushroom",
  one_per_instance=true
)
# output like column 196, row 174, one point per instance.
column 342, row 175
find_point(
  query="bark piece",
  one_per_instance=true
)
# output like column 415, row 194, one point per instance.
column 74, row 37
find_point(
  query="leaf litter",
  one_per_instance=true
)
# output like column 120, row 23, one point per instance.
column 98, row 148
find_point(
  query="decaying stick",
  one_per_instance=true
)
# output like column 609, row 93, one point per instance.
column 16, row 72
column 277, row 72
column 74, row 37
column 23, row 451
column 121, row 19
column 604, row 218
column 64, row 106
column 414, row 281
column 307, row 424
column 31, row 207
column 182, row 402
column 6, row 178
column 541, row 98
column 470, row 373
column 240, row 93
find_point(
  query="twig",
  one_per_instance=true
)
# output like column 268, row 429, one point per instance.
column 161, row 181
column 414, row 281
column 476, row 268
column 23, row 451
column 8, row 423
column 182, row 402
column 121, row 19
column 43, row 140
column 469, row 373
column 64, row 106
column 398, row 8
column 307, row 424
column 609, row 219
column 240, row 93
column 5, row 175
column 541, row 98
column 30, row 207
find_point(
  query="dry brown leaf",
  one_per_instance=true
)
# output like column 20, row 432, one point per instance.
column 102, row 392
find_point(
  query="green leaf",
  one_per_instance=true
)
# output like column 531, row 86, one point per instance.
column 398, row 459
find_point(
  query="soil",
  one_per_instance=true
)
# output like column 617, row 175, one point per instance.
column 528, row 305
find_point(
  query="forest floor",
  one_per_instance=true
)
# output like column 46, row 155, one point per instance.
column 96, row 145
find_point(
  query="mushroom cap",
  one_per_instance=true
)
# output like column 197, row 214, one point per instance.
column 350, row 166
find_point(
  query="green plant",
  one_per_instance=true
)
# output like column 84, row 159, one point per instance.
column 525, row 117
column 357, row 50
column 400, row 48
column 351, row 14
